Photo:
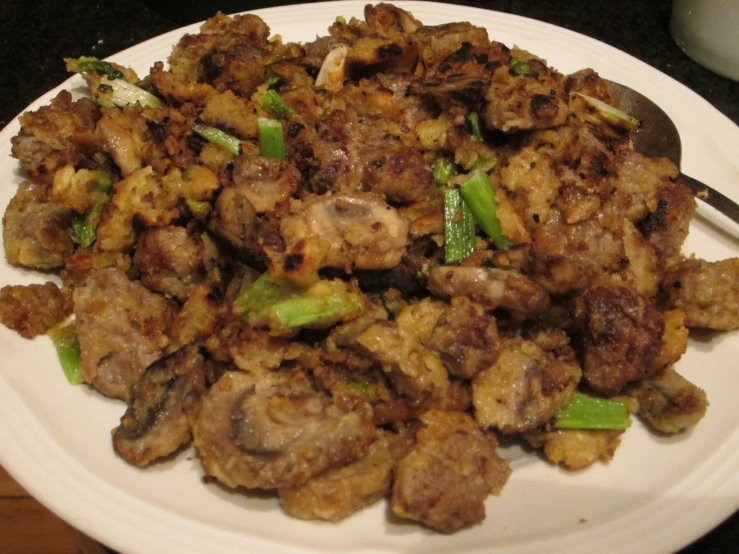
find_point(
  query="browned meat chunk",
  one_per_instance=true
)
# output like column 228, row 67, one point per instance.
column 337, row 493
column 230, row 113
column 265, row 181
column 490, row 287
column 445, row 479
column 388, row 19
column 353, row 153
column 257, row 350
column 708, row 292
column 174, row 261
column 392, row 169
column 587, row 81
column 141, row 198
column 368, row 56
column 466, row 337
column 359, row 231
column 668, row 222
column 34, row 309
column 623, row 336
column 527, row 384
column 121, row 133
column 122, row 328
column 670, row 403
column 55, row 136
column 525, row 94
column 234, row 217
column 163, row 403
column 575, row 448
column 198, row 317
column 439, row 43
column 674, row 340
column 275, row 430
column 35, row 230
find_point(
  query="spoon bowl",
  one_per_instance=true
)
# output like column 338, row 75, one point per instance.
column 657, row 136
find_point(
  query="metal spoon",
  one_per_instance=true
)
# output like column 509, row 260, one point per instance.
column 657, row 136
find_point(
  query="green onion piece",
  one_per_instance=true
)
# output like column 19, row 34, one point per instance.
column 474, row 120
column 272, row 77
column 221, row 138
column 93, row 64
column 84, row 227
column 197, row 206
column 609, row 114
column 519, row 67
column 68, row 350
column 443, row 171
column 485, row 164
column 271, row 139
column 480, row 197
column 367, row 390
column 274, row 103
column 459, row 227
column 104, row 181
column 117, row 92
column 263, row 292
column 341, row 19
column 321, row 310
column 362, row 387
column 589, row 412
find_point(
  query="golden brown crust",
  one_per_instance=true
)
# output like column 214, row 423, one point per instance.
column 32, row 310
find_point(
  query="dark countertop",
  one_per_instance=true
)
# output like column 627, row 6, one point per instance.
column 37, row 35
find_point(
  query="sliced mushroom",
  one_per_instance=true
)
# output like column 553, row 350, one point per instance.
column 275, row 430
column 669, row 402
column 158, row 419
column 528, row 383
column 122, row 328
column 337, row 493
column 346, row 231
column 265, row 181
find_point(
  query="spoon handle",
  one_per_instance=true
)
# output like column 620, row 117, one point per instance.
column 711, row 196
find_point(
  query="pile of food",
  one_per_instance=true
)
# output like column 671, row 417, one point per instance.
column 341, row 268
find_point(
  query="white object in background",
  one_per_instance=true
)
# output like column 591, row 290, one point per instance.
column 706, row 30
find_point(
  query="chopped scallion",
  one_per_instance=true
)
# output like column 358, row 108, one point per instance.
column 98, row 66
column 272, row 77
column 519, row 67
column 480, row 197
column 485, row 164
column 443, row 171
column 459, row 227
column 322, row 310
column 117, row 92
column 271, row 138
column 84, row 227
column 274, row 103
column 197, row 206
column 263, row 292
column 474, row 120
column 68, row 349
column 609, row 114
column 221, row 138
column 589, row 412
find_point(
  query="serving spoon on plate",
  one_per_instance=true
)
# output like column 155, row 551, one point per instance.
column 657, row 136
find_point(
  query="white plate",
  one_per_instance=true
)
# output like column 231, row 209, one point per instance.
column 655, row 496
